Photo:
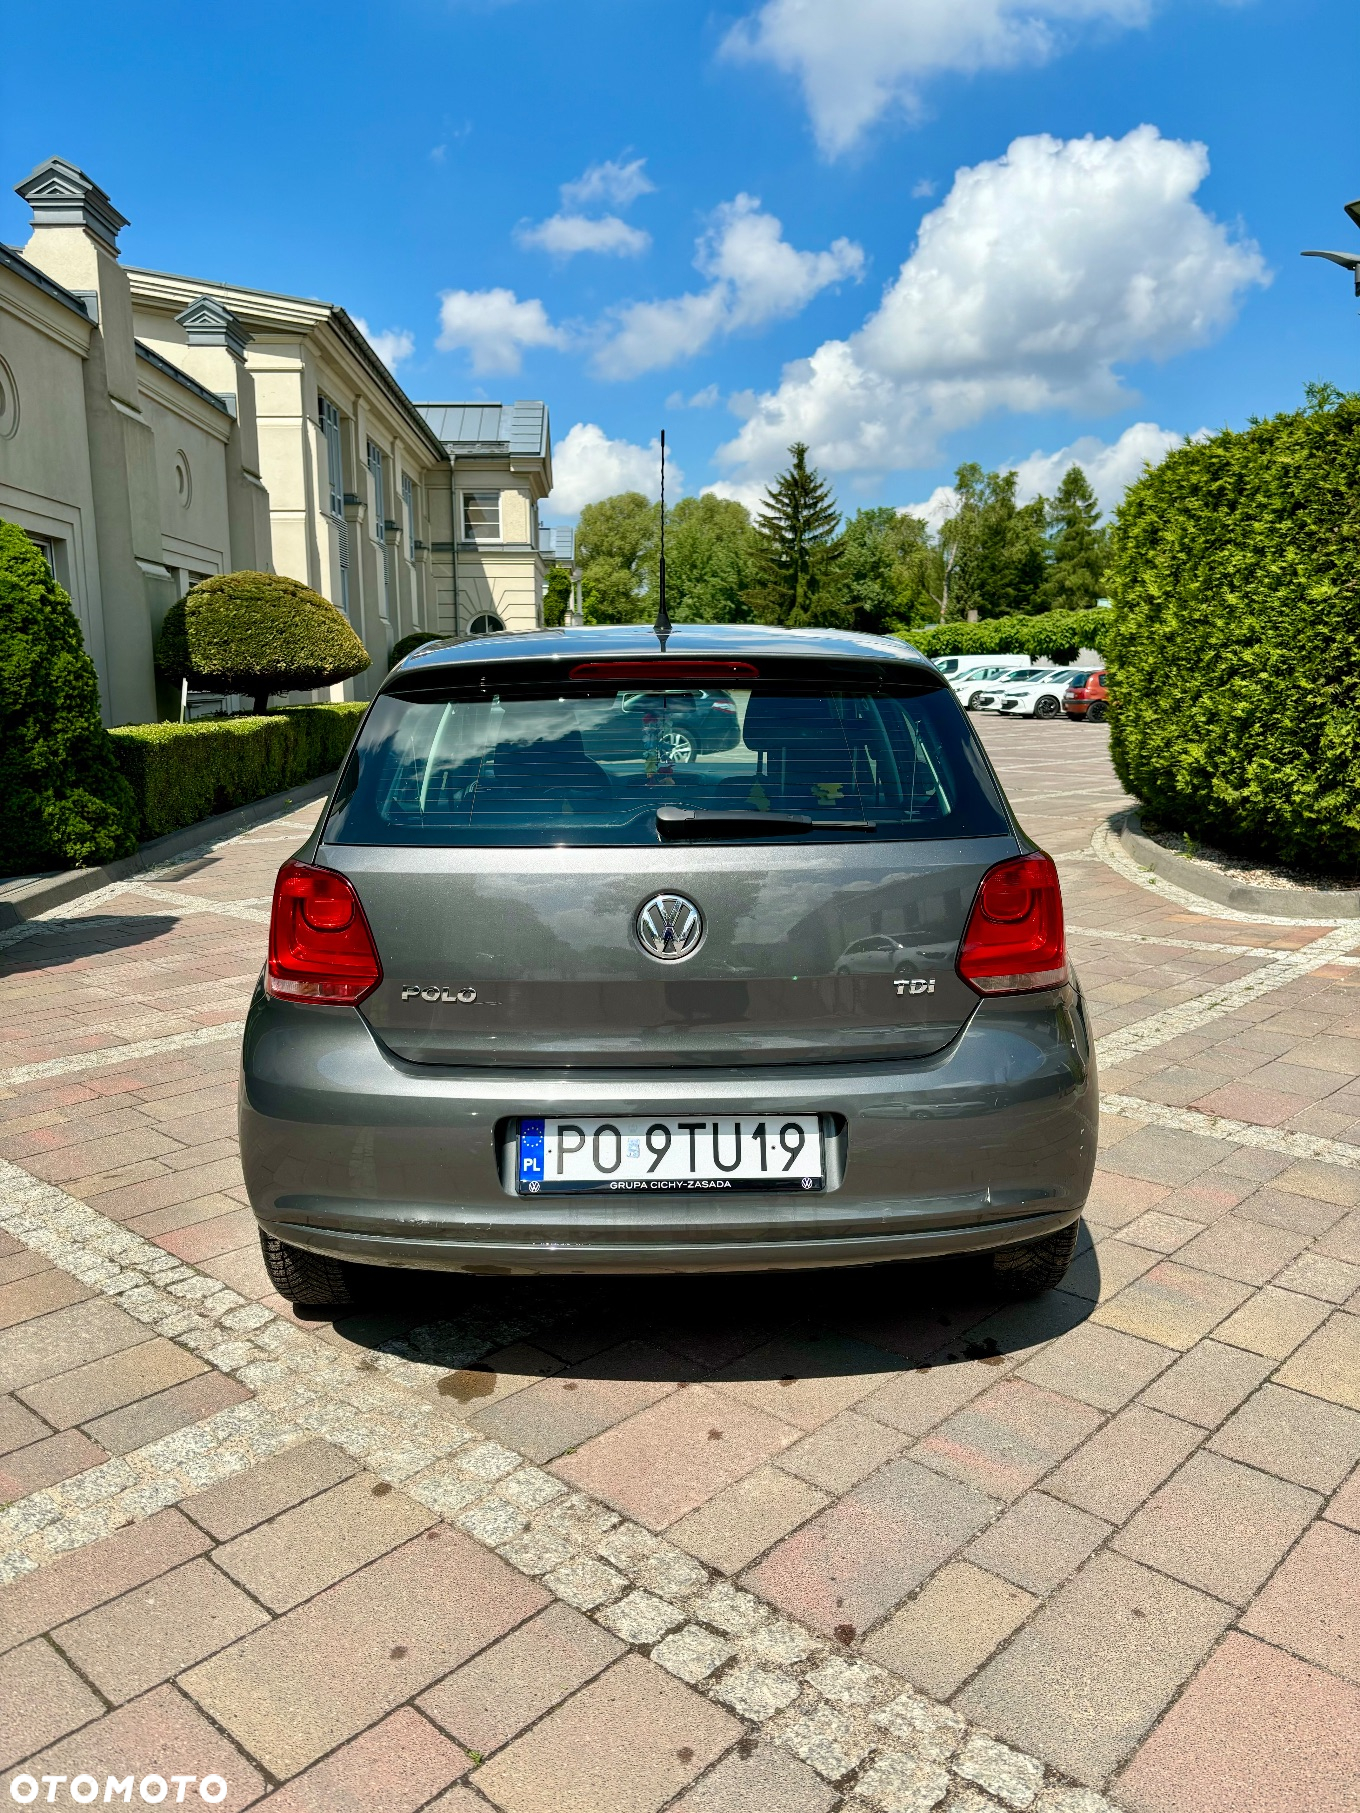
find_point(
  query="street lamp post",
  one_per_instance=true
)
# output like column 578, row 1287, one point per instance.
column 1349, row 261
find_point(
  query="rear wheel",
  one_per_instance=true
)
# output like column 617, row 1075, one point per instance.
column 1097, row 713
column 306, row 1278
column 676, row 746
column 1046, row 707
column 1036, row 1266
column 975, row 699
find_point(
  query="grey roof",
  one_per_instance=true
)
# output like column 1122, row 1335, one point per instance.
column 163, row 365
column 16, row 262
column 514, row 428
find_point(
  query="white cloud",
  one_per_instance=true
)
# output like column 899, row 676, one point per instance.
column 610, row 185
column 1037, row 276
column 494, row 327
column 924, row 189
column 859, row 58
column 1111, row 466
column 587, row 466
column 702, row 399
column 564, row 235
column 749, row 492
column 756, row 275
column 392, row 345
column 570, row 231
column 942, row 502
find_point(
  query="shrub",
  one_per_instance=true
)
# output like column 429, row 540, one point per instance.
column 407, row 645
column 62, row 800
column 181, row 773
column 1056, row 634
column 556, row 597
column 257, row 633
column 1235, row 657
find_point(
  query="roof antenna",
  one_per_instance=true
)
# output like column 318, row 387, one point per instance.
column 662, row 628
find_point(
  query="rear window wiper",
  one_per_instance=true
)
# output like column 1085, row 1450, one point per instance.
column 673, row 822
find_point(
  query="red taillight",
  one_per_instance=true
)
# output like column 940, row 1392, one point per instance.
column 320, row 947
column 1015, row 940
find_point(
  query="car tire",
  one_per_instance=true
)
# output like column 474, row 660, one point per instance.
column 1035, row 1266
column 1046, row 707
column 1097, row 712
column 312, row 1279
column 678, row 746
column 973, row 699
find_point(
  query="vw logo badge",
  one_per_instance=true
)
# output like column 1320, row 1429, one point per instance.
column 669, row 927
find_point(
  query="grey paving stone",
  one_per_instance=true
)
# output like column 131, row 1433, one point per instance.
column 1091, row 1672
column 1039, row 1543
column 764, row 1780
column 1100, row 1366
column 1208, row 1383
column 1298, row 1437
column 66, row 1338
column 1123, row 1462
column 860, row 1557
column 1219, row 1526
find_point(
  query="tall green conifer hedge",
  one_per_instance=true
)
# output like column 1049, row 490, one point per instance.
column 63, row 803
column 1234, row 650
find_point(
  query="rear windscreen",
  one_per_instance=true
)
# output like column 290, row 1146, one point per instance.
column 590, row 764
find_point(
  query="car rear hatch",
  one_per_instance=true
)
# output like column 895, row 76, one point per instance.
column 504, row 832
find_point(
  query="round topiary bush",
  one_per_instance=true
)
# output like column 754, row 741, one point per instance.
column 1234, row 650
column 63, row 802
column 407, row 645
column 257, row 633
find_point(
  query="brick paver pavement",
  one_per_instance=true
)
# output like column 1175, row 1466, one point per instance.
column 774, row 1545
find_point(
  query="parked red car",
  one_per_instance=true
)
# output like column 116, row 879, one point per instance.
column 1090, row 700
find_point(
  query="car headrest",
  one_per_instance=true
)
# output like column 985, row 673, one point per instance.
column 789, row 722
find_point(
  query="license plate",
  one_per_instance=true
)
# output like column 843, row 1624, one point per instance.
column 698, row 1152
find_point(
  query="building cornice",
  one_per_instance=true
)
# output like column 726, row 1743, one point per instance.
column 265, row 311
column 47, row 307
column 61, row 195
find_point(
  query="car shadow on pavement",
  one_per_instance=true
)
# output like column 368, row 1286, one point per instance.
column 75, row 940
column 838, row 1322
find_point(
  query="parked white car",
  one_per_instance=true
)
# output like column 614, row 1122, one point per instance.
column 963, row 672
column 1035, row 692
column 974, row 683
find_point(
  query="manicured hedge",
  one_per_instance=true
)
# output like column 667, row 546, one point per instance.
column 257, row 633
column 1056, row 634
column 1235, row 658
column 181, row 773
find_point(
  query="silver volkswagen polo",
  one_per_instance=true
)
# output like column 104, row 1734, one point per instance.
column 553, row 987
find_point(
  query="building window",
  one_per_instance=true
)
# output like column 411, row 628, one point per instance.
column 375, row 467
column 485, row 625
column 335, row 461
column 335, row 485
column 481, row 516
column 408, row 503
column 43, row 543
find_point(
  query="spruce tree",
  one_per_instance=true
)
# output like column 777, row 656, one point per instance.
column 798, row 551
column 1076, row 546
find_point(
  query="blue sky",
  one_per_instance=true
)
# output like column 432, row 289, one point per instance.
column 1110, row 197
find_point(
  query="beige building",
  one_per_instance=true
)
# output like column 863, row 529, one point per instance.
column 155, row 429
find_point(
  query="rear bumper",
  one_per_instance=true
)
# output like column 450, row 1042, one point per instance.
column 352, row 1152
